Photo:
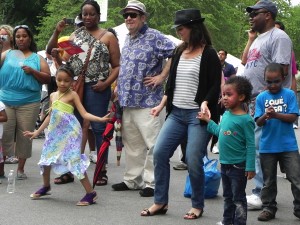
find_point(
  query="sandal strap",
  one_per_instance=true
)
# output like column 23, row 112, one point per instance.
column 43, row 190
column 89, row 198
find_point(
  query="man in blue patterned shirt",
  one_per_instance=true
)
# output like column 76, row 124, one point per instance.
column 140, row 88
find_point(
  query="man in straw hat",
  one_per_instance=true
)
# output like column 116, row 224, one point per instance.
column 140, row 89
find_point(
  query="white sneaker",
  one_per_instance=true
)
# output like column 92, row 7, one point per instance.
column 215, row 150
column 295, row 126
column 254, row 202
column 93, row 156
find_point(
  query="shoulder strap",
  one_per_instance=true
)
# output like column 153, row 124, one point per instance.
column 102, row 34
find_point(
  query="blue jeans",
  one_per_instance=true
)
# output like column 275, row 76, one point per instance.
column 179, row 123
column 291, row 164
column 234, row 184
column 96, row 103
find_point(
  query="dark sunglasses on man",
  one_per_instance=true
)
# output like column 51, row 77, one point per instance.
column 132, row 15
column 255, row 13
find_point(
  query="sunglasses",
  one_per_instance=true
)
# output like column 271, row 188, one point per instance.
column 254, row 14
column 21, row 26
column 132, row 15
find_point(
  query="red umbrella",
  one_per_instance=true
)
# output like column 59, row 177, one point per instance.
column 107, row 135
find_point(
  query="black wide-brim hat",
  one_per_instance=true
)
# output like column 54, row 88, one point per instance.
column 186, row 16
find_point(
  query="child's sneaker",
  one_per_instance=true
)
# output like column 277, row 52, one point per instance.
column 253, row 202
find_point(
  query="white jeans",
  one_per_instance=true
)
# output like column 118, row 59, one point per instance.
column 139, row 133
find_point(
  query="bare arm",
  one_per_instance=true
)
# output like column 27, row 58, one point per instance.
column 156, row 110
column 2, row 57
column 262, row 120
column 251, row 37
column 3, row 116
column 42, row 76
column 270, row 113
column 35, row 133
column 52, row 43
column 85, row 114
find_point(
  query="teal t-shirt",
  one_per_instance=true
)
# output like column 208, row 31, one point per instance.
column 236, row 139
column 17, row 87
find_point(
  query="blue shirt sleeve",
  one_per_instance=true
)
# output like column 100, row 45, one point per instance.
column 259, row 106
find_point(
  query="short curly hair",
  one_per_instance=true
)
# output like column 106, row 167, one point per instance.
column 242, row 86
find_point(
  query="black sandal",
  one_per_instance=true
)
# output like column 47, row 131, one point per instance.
column 102, row 179
column 161, row 211
column 64, row 178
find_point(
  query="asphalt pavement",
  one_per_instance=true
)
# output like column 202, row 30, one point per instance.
column 114, row 208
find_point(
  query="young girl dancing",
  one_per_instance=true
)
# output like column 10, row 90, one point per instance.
column 237, row 148
column 61, row 149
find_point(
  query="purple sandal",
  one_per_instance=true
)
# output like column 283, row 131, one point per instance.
column 41, row 192
column 88, row 199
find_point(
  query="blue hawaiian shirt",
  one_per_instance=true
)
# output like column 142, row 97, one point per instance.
column 142, row 56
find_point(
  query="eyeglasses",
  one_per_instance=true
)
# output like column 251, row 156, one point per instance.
column 21, row 26
column 254, row 14
column 132, row 15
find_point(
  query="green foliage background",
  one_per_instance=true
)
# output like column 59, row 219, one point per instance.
column 226, row 19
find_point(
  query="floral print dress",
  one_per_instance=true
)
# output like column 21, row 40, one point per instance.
column 62, row 146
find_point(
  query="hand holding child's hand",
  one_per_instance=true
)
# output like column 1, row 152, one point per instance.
column 204, row 109
column 249, row 174
column 203, row 116
column 30, row 134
